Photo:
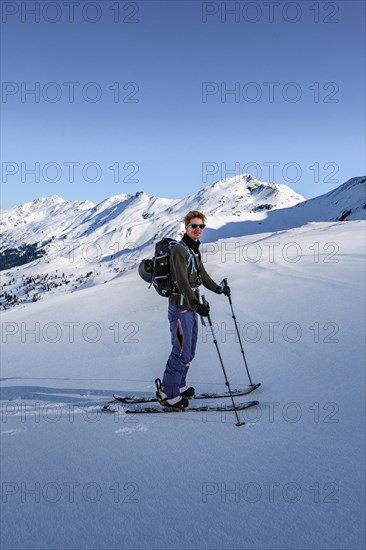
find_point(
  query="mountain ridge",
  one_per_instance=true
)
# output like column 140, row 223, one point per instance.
column 234, row 206
column 53, row 217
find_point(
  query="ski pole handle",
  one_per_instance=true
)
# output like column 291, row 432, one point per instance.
column 227, row 288
column 205, row 303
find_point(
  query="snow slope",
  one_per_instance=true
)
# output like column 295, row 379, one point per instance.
column 346, row 202
column 291, row 478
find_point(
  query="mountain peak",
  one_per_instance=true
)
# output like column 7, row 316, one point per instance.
column 51, row 199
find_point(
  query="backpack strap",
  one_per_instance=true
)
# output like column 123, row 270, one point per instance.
column 190, row 257
column 191, row 262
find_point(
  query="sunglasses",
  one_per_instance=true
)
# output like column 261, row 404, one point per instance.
column 195, row 225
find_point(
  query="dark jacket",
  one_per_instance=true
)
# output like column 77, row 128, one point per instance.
column 184, row 296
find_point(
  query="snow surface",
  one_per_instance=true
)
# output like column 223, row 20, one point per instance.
column 291, row 478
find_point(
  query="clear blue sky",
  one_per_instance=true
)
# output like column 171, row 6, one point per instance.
column 163, row 131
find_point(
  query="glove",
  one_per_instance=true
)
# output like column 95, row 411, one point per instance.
column 223, row 288
column 202, row 310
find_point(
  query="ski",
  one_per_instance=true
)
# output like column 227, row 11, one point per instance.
column 201, row 408
column 235, row 393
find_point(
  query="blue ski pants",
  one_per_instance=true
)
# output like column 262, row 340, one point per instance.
column 183, row 331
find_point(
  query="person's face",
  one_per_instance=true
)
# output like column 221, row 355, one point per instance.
column 194, row 232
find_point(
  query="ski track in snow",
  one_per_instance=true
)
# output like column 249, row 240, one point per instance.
column 13, row 432
column 128, row 431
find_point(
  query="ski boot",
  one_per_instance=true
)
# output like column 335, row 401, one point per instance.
column 179, row 403
column 187, row 392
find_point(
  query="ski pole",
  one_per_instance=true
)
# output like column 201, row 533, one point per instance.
column 228, row 294
column 238, row 423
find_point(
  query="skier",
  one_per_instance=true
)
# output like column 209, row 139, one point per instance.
column 184, row 305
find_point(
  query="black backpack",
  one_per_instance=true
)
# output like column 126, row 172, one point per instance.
column 156, row 271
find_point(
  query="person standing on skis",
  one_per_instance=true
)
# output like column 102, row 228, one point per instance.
column 188, row 273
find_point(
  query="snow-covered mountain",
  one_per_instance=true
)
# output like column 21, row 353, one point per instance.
column 39, row 220
column 90, row 243
column 346, row 202
column 236, row 206
column 135, row 220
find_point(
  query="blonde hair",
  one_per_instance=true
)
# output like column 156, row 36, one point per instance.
column 194, row 214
